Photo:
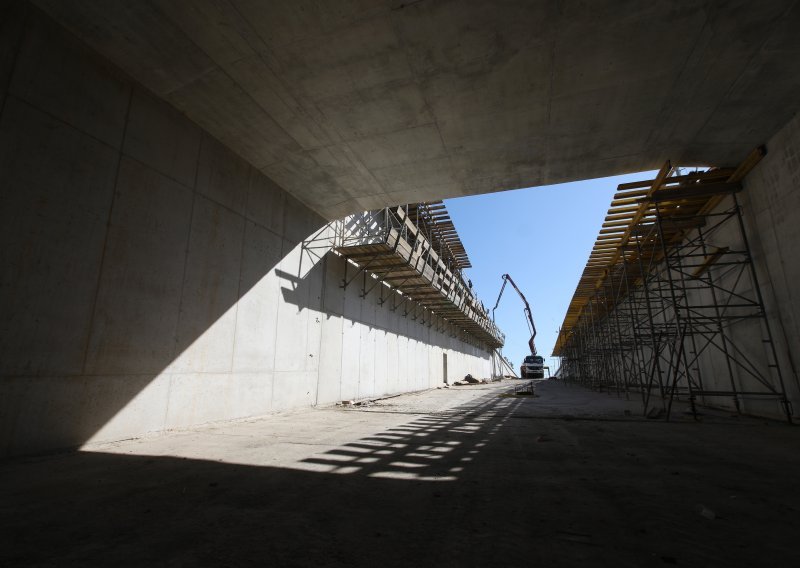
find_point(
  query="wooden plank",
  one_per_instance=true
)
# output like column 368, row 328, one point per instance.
column 748, row 164
column 693, row 193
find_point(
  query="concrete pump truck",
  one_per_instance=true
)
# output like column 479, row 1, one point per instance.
column 533, row 365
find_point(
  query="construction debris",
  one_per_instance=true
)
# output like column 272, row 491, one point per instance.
column 707, row 513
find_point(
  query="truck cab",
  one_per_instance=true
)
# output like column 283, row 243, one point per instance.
column 532, row 367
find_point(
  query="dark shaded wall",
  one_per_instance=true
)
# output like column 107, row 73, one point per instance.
column 771, row 212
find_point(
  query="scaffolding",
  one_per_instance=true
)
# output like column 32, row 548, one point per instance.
column 413, row 257
column 669, row 304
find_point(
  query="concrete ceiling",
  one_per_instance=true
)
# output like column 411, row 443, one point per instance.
column 354, row 104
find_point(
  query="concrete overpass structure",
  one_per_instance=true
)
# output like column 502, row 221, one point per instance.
column 163, row 163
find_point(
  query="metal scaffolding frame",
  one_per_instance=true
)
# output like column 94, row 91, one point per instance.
column 669, row 289
column 413, row 257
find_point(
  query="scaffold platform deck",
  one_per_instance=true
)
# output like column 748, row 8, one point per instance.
column 414, row 251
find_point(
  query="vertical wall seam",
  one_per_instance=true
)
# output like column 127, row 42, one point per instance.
column 188, row 247
column 109, row 217
column 15, row 60
column 186, row 252
column 323, row 292
column 276, row 325
column 241, row 268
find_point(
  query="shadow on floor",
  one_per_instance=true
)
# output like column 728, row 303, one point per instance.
column 469, row 486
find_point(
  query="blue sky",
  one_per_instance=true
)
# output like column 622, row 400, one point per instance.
column 542, row 237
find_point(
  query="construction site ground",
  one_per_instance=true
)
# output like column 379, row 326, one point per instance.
column 465, row 476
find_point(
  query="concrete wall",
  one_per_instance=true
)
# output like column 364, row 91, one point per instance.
column 770, row 204
column 152, row 280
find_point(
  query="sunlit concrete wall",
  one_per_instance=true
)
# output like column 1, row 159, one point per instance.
column 152, row 280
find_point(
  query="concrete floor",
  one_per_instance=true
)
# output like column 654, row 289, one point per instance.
column 458, row 477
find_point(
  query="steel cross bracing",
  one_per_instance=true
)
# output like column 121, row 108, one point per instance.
column 669, row 305
column 415, row 261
